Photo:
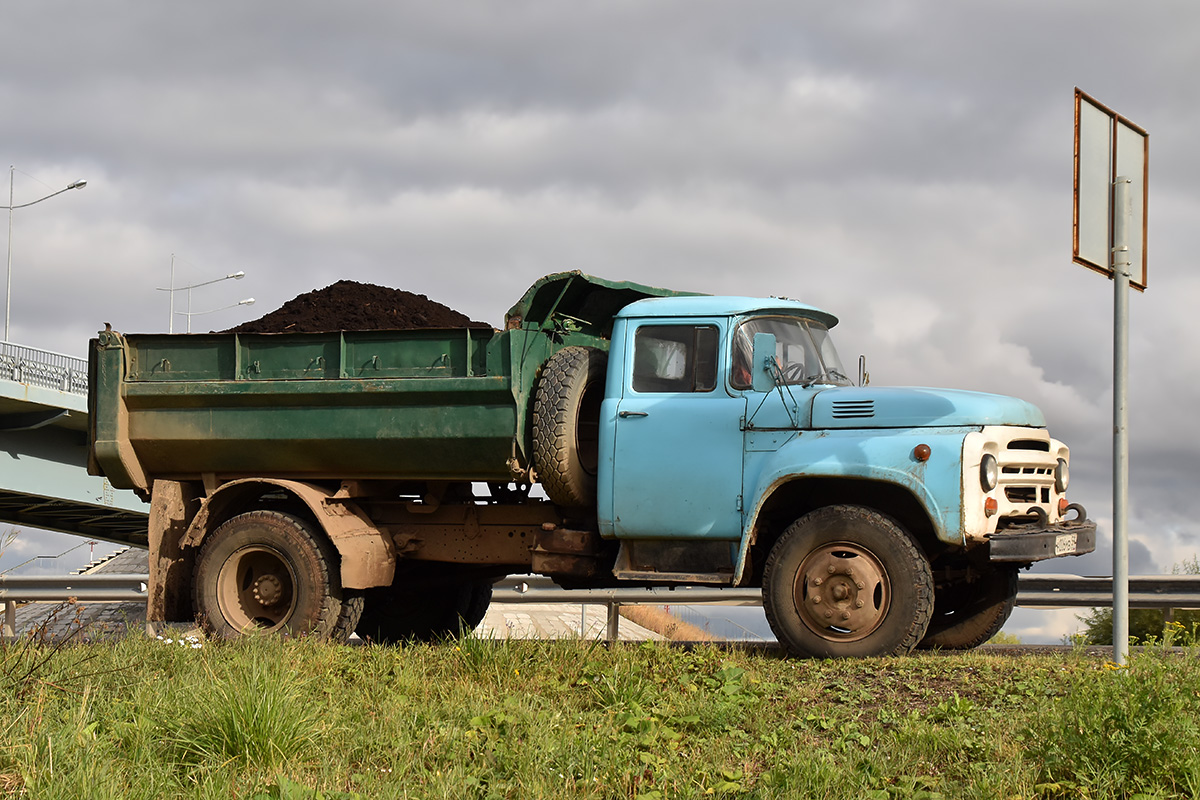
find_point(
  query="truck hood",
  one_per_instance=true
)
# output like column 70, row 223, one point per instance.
column 906, row 407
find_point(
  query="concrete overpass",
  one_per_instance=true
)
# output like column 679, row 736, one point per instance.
column 43, row 452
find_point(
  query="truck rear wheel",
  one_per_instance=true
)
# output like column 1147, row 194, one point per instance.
column 566, row 425
column 846, row 581
column 425, row 614
column 269, row 571
column 965, row 615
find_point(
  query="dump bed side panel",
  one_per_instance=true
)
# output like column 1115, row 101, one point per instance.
column 394, row 404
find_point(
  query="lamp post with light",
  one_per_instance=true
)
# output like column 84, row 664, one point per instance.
column 249, row 301
column 237, row 276
column 11, row 208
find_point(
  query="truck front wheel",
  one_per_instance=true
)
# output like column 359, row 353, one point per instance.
column 846, row 581
column 269, row 571
column 965, row 615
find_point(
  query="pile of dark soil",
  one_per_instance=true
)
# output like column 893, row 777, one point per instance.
column 353, row 306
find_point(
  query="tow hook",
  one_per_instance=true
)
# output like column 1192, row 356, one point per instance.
column 1044, row 518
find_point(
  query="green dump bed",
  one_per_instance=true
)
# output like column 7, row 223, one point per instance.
column 411, row 404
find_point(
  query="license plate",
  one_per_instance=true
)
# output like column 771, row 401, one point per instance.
column 1065, row 543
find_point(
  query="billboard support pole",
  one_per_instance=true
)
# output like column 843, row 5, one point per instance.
column 1122, row 216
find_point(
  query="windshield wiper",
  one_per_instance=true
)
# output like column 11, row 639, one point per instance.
column 837, row 374
column 829, row 375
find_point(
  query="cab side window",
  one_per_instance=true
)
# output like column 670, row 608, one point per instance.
column 675, row 358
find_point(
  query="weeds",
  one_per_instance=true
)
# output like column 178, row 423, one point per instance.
column 21, row 662
column 1125, row 731
column 37, row 659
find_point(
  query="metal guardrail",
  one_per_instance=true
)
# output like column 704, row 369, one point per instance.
column 43, row 368
column 543, row 590
column 1145, row 591
column 15, row 589
column 1035, row 591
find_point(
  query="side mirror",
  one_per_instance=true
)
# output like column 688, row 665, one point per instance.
column 762, row 376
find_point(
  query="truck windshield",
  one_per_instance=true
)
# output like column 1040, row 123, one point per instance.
column 803, row 348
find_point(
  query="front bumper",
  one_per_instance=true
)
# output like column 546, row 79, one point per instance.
column 1040, row 542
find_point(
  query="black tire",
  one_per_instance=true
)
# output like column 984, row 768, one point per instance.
column 846, row 581
column 566, row 425
column 965, row 615
column 266, row 570
column 427, row 614
column 353, row 604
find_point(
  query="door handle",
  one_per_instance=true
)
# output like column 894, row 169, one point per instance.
column 624, row 414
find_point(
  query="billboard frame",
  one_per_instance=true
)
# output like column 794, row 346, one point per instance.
column 1120, row 132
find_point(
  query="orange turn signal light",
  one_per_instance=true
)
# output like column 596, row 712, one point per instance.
column 990, row 506
column 1062, row 506
column 921, row 452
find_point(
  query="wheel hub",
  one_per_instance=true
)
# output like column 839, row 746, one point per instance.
column 256, row 588
column 268, row 590
column 842, row 591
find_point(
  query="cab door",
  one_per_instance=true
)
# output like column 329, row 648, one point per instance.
column 677, row 456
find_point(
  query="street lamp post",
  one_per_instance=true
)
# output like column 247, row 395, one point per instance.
column 11, row 207
column 237, row 276
column 249, row 301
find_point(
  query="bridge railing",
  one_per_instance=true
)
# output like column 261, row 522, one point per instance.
column 43, row 368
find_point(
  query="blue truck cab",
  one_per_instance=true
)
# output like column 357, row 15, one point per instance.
column 734, row 449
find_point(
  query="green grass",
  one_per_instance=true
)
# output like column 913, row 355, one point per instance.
column 267, row 718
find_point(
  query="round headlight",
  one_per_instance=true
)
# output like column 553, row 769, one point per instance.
column 1062, row 476
column 988, row 472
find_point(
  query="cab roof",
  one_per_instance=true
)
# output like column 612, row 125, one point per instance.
column 723, row 306
column 593, row 303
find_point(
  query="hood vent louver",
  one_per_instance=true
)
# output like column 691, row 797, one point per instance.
column 853, row 409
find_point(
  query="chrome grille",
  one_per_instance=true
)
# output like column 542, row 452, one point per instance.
column 1026, row 473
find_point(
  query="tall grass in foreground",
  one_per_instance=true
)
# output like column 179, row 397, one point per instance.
column 252, row 712
column 517, row 719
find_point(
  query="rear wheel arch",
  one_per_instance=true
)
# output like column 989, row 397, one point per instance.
column 366, row 554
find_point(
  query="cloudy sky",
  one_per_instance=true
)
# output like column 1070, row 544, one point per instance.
column 906, row 165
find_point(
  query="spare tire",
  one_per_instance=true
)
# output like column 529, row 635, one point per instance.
column 566, row 425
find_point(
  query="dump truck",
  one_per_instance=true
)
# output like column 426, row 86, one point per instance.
column 612, row 433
